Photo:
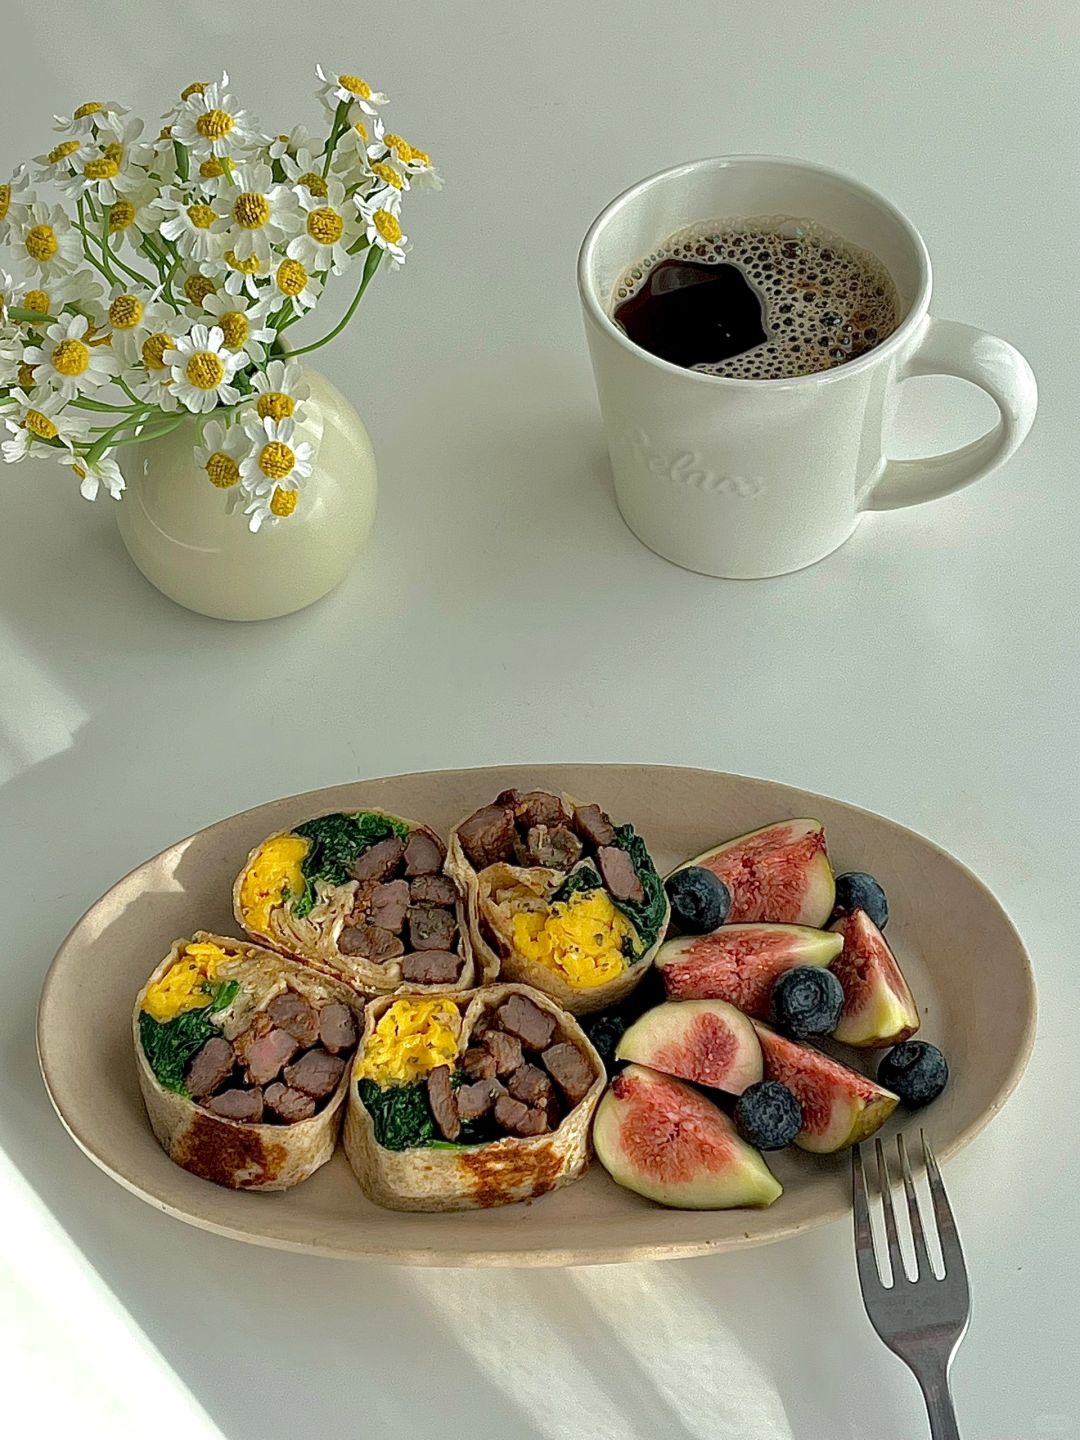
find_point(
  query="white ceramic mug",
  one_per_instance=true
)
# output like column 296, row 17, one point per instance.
column 748, row 478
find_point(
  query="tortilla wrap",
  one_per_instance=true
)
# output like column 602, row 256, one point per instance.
column 469, row 1177
column 313, row 940
column 492, row 943
column 238, row 1154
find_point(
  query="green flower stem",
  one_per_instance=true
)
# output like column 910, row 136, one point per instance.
column 103, row 442
column 85, row 403
column 126, row 388
column 371, row 264
column 88, row 234
column 35, row 317
column 154, row 432
column 180, row 151
column 106, row 256
column 340, row 125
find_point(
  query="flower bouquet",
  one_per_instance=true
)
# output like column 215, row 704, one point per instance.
column 161, row 281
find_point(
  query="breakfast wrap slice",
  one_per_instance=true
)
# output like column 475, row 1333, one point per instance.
column 359, row 895
column 466, row 1101
column 559, row 897
column 244, row 1059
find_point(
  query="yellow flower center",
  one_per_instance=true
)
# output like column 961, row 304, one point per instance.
column 125, row 312
column 36, row 300
column 71, row 357
column 283, row 502
column 234, row 327
column 204, row 370
column 101, row 168
column 92, row 107
column 251, row 210
column 5, row 199
column 26, row 374
column 291, row 277
column 197, row 287
column 355, row 86
column 400, row 146
column 250, row 266
column 40, row 425
column 62, row 151
column 120, row 216
column 41, row 242
column 275, row 405
column 114, row 151
column 211, row 169
column 222, row 470
column 276, row 460
column 201, row 216
column 421, row 157
column 315, row 183
column 387, row 174
column 361, row 130
column 153, row 350
column 387, row 226
column 195, row 88
column 325, row 225
column 214, row 124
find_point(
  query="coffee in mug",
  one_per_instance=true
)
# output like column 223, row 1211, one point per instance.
column 767, row 298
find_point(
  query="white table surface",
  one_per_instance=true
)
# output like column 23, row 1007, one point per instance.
column 503, row 613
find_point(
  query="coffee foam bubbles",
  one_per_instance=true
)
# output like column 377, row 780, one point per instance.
column 825, row 300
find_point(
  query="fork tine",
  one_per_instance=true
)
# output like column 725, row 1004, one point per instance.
column 923, row 1265
column 952, row 1255
column 896, row 1255
column 869, row 1276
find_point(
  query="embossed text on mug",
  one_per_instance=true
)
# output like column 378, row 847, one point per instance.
column 687, row 469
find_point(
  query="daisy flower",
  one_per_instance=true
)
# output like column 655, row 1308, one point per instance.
column 298, row 138
column 270, row 507
column 383, row 228
column 134, row 314
column 196, row 228
column 305, row 169
column 244, row 276
column 330, row 227
column 151, row 380
column 220, row 452
column 350, row 156
column 103, row 170
column 41, row 417
column 62, row 158
column 42, row 239
column 68, row 360
column 395, row 151
column 263, row 213
column 202, row 368
column 281, row 389
column 90, row 117
column 10, row 345
column 273, row 469
column 196, row 286
column 211, row 176
column 10, row 191
column 295, row 283
column 50, row 294
column 133, row 216
column 210, row 122
column 92, row 476
column 241, row 321
column 336, row 89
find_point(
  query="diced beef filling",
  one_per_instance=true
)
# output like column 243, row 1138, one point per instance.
column 378, row 861
column 431, row 967
column 518, row 1119
column 478, row 1063
column 244, row 1105
column 443, row 1102
column 337, row 1028
column 424, row 855
column 433, row 890
column 371, row 941
column 593, row 825
column 618, row 874
column 475, row 1100
column 292, row 1013
column 269, row 1080
column 488, row 836
column 210, row 1067
column 522, row 1017
column 316, row 1074
column 557, row 848
column 389, row 902
column 288, row 1105
column 531, row 1086
column 504, row 1049
column 431, row 927
column 539, row 807
column 570, row 1070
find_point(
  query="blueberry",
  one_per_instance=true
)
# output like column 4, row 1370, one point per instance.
column 859, row 891
column 605, row 1030
column 807, row 1001
column 916, row 1071
column 768, row 1116
column 700, row 901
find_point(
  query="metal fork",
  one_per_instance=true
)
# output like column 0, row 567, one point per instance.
column 921, row 1319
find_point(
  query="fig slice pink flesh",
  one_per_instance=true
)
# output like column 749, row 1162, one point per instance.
column 740, row 963
column 840, row 1106
column 663, row 1140
column 780, row 873
column 705, row 1041
column 879, row 1008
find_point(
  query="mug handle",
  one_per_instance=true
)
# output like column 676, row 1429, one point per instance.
column 948, row 348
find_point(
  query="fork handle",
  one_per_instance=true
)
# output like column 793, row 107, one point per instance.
column 937, row 1393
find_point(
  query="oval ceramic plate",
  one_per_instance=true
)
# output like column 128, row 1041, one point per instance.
column 965, row 962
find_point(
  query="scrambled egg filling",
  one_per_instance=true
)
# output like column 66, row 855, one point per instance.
column 410, row 1038
column 273, row 875
column 581, row 939
column 184, row 985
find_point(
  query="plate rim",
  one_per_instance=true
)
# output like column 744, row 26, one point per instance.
column 615, row 1253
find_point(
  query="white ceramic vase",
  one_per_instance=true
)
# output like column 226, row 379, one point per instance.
column 178, row 532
